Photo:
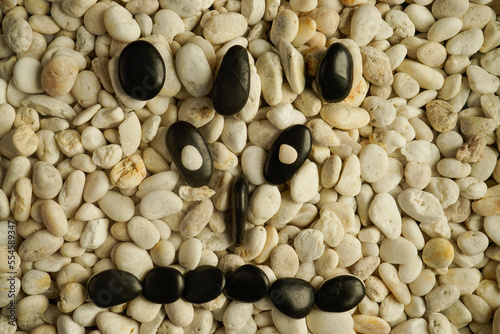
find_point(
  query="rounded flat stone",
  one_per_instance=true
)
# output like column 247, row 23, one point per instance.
column 113, row 287
column 182, row 134
column 334, row 74
column 297, row 137
column 141, row 70
column 163, row 285
column 294, row 297
column 203, row 284
column 340, row 293
column 239, row 208
column 247, row 284
column 232, row 83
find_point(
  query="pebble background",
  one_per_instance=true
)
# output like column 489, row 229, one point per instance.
column 401, row 187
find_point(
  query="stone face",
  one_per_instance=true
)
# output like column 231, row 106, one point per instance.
column 180, row 135
column 232, row 84
column 247, row 284
column 141, row 70
column 239, row 208
column 163, row 285
column 299, row 138
column 340, row 293
column 294, row 297
column 113, row 287
column 334, row 74
column 203, row 284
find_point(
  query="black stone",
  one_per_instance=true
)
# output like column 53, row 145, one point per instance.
column 181, row 134
column 232, row 83
column 141, row 70
column 334, row 74
column 340, row 294
column 294, row 297
column 299, row 137
column 247, row 284
column 239, row 208
column 113, row 287
column 203, row 284
column 163, row 285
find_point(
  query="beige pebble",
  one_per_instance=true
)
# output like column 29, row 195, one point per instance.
column 441, row 115
column 423, row 283
column 21, row 141
column 478, row 308
column 69, row 141
column 376, row 66
column 344, row 117
column 426, row 76
column 224, row 27
column 432, row 54
column 39, row 245
column 59, row 75
column 438, row 253
column 453, row 168
column 285, row 27
column 196, row 219
column 128, row 173
column 284, row 261
column 421, row 205
column 442, row 297
column 465, row 43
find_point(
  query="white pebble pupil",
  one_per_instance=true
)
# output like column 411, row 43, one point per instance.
column 287, row 154
column 191, row 158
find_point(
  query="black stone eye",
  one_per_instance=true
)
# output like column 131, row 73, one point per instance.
column 298, row 141
column 232, row 84
column 190, row 153
column 334, row 74
column 141, row 70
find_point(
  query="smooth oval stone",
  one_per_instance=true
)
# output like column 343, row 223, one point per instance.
column 334, row 74
column 163, row 285
column 141, row 70
column 239, row 208
column 203, row 284
column 247, row 284
column 113, row 287
column 298, row 137
column 232, row 84
column 294, row 297
column 179, row 135
column 340, row 293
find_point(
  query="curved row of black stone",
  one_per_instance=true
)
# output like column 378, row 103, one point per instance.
column 294, row 297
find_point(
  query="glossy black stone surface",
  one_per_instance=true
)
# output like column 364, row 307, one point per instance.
column 294, row 297
column 297, row 136
column 239, row 208
column 340, row 294
column 247, row 284
column 203, row 284
column 181, row 134
column 334, row 74
column 113, row 287
column 232, row 84
column 163, row 285
column 141, row 70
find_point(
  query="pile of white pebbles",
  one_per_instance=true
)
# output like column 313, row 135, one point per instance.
column 400, row 189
